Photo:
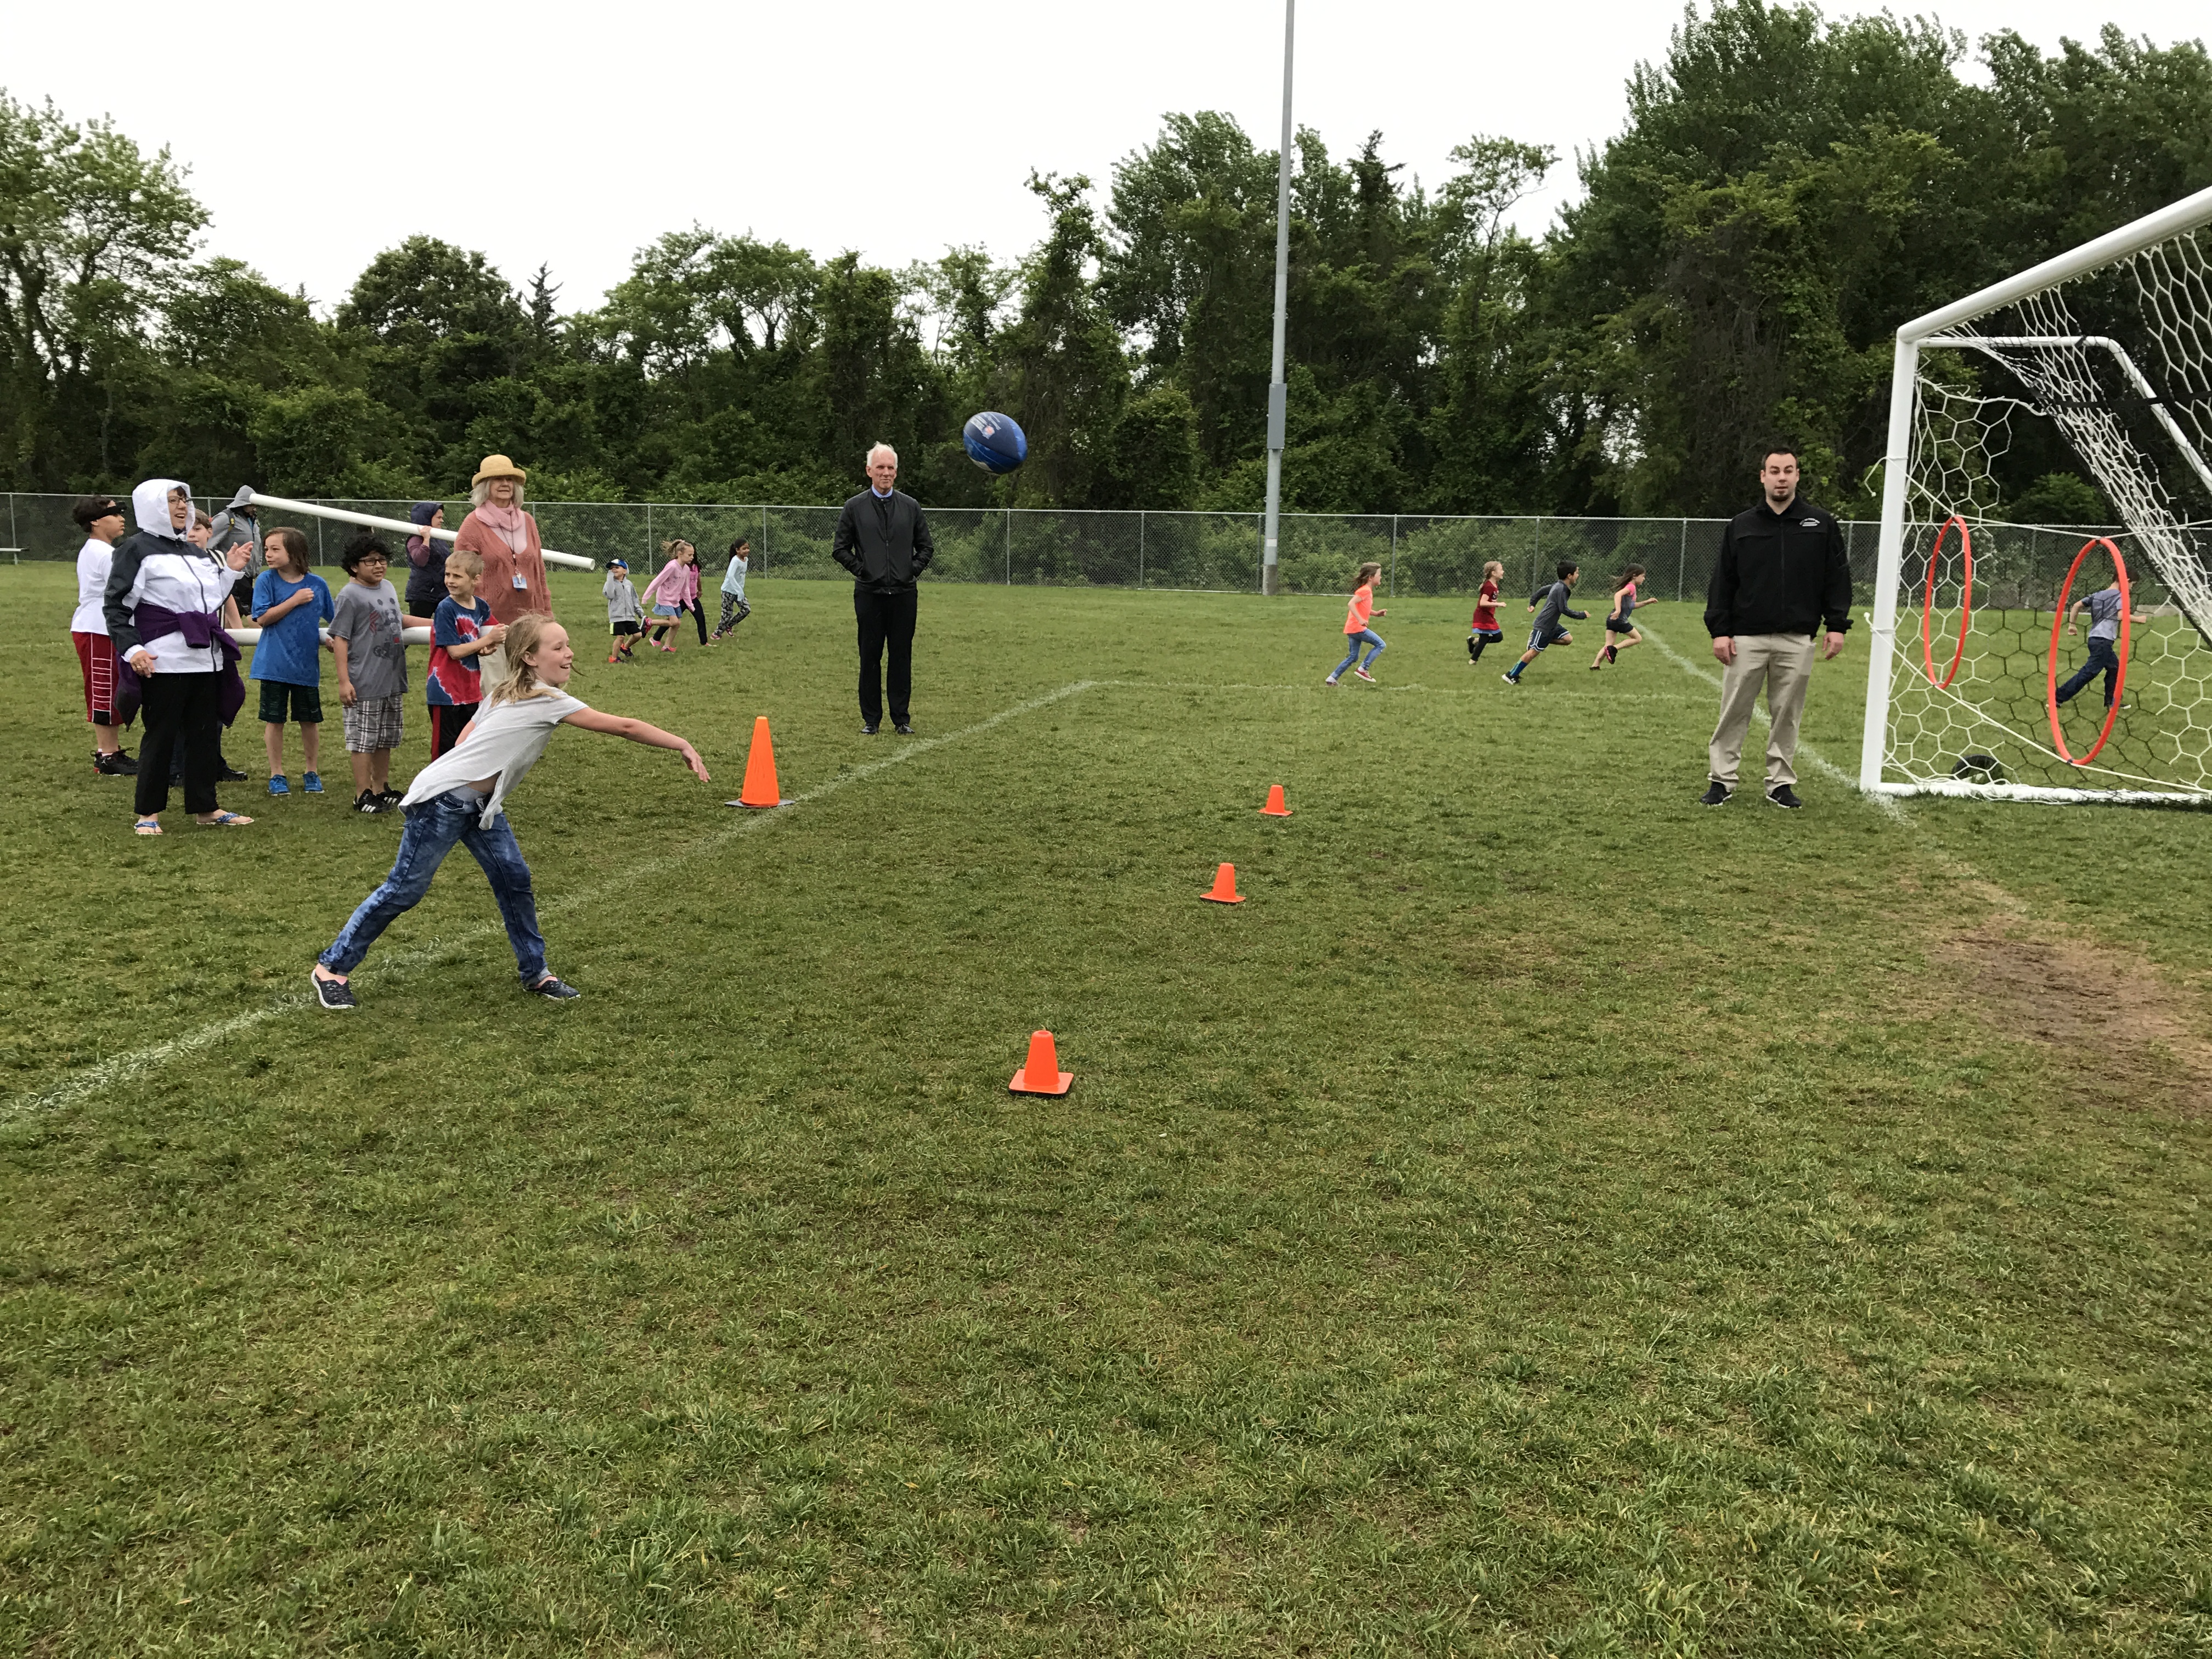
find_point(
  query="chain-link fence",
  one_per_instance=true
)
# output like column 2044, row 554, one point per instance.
column 1420, row 554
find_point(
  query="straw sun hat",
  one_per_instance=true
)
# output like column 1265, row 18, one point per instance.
column 497, row 466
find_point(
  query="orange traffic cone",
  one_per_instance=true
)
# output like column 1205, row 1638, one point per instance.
column 760, row 788
column 1224, row 887
column 1274, row 808
column 1042, row 1074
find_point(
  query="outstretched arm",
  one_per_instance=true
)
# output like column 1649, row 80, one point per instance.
column 620, row 725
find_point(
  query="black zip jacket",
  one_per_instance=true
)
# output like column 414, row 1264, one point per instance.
column 1783, row 573
column 885, row 543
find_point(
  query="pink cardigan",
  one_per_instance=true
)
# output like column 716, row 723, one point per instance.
column 667, row 587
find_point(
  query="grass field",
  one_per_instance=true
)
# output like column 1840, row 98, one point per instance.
column 1547, row 1218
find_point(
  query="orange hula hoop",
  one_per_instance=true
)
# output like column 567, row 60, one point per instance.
column 1965, row 603
column 2050, row 662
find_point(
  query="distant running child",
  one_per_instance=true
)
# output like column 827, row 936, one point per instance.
column 290, row 603
column 622, row 612
column 461, row 796
column 664, row 594
column 2104, row 607
column 734, row 608
column 461, row 631
column 1485, row 621
column 1356, row 633
column 1620, row 632
column 1550, row 605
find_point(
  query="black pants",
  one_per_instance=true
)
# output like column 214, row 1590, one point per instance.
column 698, row 616
column 885, row 619
column 182, row 713
column 448, row 722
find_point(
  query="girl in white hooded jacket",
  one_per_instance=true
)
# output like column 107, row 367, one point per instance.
column 164, row 610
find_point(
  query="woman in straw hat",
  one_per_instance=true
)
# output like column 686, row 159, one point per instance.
column 505, row 536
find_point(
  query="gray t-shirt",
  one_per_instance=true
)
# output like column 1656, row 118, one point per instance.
column 2105, row 614
column 367, row 620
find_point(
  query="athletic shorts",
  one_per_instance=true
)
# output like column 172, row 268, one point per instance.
column 1619, row 625
column 306, row 703
column 374, row 723
column 95, row 659
column 621, row 628
column 1540, row 639
column 667, row 610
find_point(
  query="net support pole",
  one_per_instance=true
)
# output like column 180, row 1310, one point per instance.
column 1889, row 558
column 1278, row 390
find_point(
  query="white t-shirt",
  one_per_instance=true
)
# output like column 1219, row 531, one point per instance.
column 500, row 744
column 92, row 568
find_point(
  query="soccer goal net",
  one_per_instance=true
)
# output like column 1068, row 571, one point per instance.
column 2053, row 662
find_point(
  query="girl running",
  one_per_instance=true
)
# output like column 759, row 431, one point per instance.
column 1356, row 633
column 1619, row 632
column 461, row 796
column 664, row 594
column 1483, row 626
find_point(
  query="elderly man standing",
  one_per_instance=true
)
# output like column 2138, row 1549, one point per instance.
column 883, row 540
column 1782, row 570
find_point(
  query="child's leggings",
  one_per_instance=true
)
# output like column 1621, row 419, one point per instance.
column 734, row 611
column 1366, row 636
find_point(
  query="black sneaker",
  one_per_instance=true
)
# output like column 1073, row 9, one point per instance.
column 391, row 798
column 116, row 765
column 554, row 989
column 869, row 729
column 1784, row 796
column 1717, row 794
column 369, row 803
column 903, row 729
column 333, row 993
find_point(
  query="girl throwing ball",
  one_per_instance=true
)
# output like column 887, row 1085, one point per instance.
column 460, row 797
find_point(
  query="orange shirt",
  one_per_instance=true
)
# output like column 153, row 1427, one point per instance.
column 1362, row 607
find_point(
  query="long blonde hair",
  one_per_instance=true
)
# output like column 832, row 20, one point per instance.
column 525, row 634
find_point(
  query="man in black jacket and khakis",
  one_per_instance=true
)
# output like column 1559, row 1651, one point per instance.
column 1782, row 572
column 883, row 540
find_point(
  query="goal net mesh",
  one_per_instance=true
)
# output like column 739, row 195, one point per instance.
column 1996, row 677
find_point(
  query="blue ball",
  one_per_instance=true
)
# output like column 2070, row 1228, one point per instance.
column 993, row 443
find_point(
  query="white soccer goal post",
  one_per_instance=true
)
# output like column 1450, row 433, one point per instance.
column 2097, row 362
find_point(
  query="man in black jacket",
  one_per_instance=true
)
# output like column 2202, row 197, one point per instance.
column 1782, row 572
column 883, row 540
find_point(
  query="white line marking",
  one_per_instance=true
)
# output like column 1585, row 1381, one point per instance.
column 122, row 1068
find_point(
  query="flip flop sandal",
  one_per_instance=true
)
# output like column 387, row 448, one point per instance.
column 147, row 826
column 224, row 820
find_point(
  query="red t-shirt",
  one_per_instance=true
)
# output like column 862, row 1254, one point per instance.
column 1485, row 609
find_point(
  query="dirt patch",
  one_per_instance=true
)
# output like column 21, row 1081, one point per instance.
column 2142, row 1041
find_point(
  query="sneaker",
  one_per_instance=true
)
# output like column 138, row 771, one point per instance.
column 391, row 797
column 903, row 728
column 311, row 783
column 554, row 989
column 1717, row 794
column 1331, row 680
column 333, row 993
column 366, row 802
column 1613, row 654
column 612, row 657
column 116, row 765
column 1784, row 796
column 1364, row 675
column 869, row 728
column 278, row 786
column 1510, row 677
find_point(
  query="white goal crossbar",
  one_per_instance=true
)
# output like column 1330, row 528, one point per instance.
column 1934, row 330
column 343, row 515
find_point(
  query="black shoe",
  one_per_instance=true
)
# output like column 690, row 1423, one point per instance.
column 902, row 729
column 869, row 729
column 370, row 803
column 333, row 993
column 553, row 989
column 1782, row 795
column 1717, row 794
column 116, row 765
column 391, row 797
column 230, row 773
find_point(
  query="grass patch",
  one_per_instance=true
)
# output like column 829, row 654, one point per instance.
column 1548, row 1218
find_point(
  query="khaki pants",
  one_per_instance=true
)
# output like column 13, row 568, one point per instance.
column 1783, row 664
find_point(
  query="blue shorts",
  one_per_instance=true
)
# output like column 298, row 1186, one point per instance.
column 1538, row 638
column 667, row 610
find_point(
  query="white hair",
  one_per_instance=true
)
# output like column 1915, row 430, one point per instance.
column 875, row 450
column 479, row 494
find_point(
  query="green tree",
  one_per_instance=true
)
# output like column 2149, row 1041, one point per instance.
column 1061, row 359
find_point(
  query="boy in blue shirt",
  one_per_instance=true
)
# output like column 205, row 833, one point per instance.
column 290, row 603
column 461, row 630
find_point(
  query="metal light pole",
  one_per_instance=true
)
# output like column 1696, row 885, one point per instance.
column 1278, row 394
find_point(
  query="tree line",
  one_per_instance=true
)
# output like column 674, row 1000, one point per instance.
column 1787, row 189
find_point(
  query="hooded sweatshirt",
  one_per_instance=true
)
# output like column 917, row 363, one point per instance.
column 230, row 527
column 426, row 554
column 155, row 567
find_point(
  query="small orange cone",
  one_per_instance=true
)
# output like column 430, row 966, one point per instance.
column 760, row 788
column 1224, row 887
column 1274, row 808
column 1042, row 1074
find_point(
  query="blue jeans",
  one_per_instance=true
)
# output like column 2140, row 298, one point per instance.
column 431, row 828
column 1365, row 636
column 2103, row 659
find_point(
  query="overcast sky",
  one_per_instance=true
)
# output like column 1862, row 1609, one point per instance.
column 572, row 135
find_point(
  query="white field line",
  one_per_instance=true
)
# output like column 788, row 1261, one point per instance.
column 124, row 1067
column 1889, row 807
